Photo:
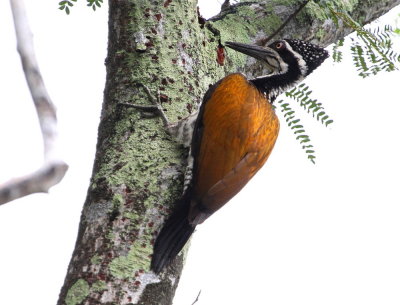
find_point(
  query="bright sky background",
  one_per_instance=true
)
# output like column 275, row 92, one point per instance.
column 297, row 234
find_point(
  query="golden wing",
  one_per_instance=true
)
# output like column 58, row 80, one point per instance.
column 239, row 130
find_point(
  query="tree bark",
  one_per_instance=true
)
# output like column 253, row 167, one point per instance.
column 138, row 170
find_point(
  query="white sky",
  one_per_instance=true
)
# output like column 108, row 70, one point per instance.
column 297, row 234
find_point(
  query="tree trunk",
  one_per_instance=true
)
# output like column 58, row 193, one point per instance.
column 138, row 170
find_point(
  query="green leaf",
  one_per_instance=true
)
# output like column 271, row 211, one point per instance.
column 311, row 158
column 297, row 126
column 302, row 137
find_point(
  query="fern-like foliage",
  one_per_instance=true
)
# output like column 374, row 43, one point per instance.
column 337, row 54
column 372, row 51
column 298, row 129
column 302, row 95
column 66, row 5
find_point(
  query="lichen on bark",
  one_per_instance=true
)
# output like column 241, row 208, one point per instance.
column 77, row 293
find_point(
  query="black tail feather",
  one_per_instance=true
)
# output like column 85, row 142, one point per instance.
column 171, row 239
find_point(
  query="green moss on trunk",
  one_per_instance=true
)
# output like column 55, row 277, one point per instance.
column 77, row 293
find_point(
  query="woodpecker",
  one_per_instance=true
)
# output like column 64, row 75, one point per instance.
column 231, row 137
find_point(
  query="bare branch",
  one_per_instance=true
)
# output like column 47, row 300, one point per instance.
column 264, row 41
column 53, row 168
column 39, row 181
column 197, row 298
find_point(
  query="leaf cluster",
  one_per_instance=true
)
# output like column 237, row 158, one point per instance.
column 65, row 5
column 337, row 54
column 94, row 3
column 372, row 51
column 302, row 95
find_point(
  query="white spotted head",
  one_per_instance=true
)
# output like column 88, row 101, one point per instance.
column 309, row 56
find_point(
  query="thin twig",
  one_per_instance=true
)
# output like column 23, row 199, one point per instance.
column 53, row 168
column 197, row 298
column 225, row 5
column 264, row 41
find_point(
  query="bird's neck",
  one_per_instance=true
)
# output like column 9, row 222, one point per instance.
column 275, row 84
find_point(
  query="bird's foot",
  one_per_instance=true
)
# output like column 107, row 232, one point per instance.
column 181, row 131
column 155, row 108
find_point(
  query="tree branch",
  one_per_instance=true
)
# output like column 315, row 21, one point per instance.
column 197, row 298
column 53, row 168
column 264, row 41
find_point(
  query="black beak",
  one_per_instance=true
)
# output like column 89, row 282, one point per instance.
column 261, row 53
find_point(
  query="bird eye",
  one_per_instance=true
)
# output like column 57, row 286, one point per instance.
column 280, row 45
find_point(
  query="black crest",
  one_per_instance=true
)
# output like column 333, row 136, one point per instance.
column 312, row 54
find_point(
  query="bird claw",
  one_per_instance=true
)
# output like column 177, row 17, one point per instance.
column 155, row 108
column 181, row 131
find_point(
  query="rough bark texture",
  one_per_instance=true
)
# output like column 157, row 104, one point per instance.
column 138, row 170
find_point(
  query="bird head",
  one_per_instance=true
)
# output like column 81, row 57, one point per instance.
column 283, row 55
column 290, row 61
